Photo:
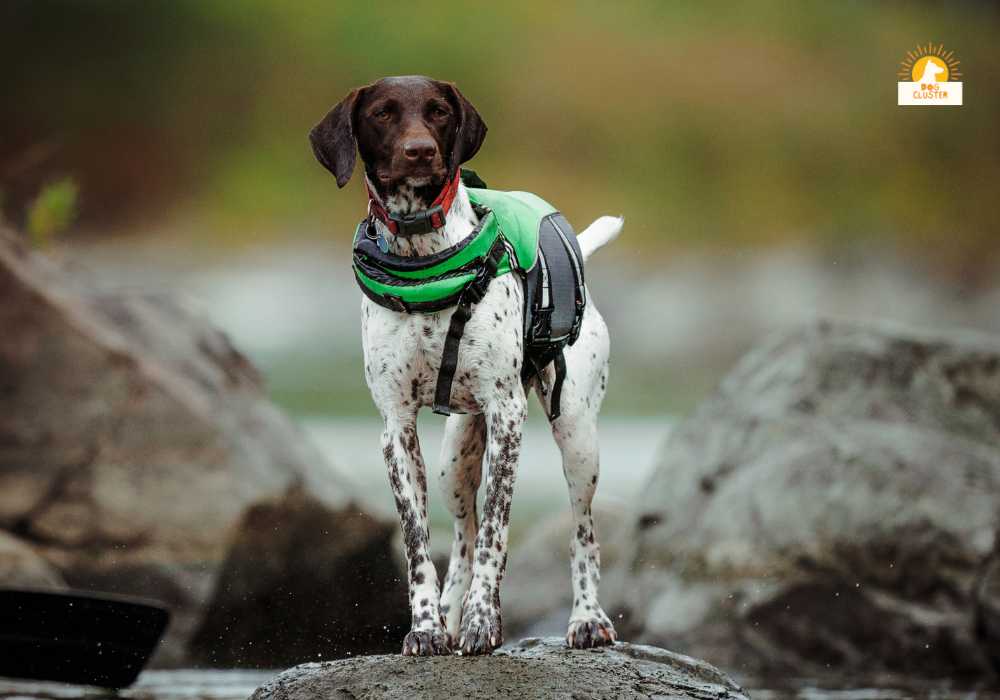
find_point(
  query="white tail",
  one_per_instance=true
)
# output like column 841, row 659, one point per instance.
column 604, row 230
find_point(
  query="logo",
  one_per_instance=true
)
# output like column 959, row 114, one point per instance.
column 927, row 77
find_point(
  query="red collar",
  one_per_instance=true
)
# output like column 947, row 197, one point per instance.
column 418, row 222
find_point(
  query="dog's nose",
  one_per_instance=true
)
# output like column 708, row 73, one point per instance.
column 419, row 149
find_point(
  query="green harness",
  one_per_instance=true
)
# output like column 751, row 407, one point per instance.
column 519, row 233
column 433, row 282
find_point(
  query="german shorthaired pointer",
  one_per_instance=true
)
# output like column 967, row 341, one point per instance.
column 413, row 133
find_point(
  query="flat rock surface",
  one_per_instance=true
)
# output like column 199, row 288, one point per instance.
column 531, row 668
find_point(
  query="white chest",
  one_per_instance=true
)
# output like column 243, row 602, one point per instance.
column 403, row 351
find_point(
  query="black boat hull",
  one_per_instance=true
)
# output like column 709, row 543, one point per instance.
column 77, row 637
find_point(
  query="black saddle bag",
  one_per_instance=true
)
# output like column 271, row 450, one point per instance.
column 554, row 300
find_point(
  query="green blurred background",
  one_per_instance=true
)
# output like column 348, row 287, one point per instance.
column 756, row 150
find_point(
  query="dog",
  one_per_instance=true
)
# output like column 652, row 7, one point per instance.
column 412, row 134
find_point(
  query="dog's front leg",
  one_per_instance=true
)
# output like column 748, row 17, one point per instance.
column 408, row 478
column 461, row 471
column 481, row 627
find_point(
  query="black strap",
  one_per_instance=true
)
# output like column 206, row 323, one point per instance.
column 471, row 295
column 560, row 363
column 533, row 366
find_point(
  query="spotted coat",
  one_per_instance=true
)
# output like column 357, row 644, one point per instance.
column 402, row 355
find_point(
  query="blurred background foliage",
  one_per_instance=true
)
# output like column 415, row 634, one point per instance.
column 714, row 127
column 707, row 123
column 52, row 212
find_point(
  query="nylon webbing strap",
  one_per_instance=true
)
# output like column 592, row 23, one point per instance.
column 471, row 295
column 557, row 385
column 449, row 359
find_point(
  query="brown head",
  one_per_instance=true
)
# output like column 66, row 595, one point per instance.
column 409, row 130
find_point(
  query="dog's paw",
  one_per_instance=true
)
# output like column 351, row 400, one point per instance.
column 426, row 643
column 587, row 634
column 479, row 635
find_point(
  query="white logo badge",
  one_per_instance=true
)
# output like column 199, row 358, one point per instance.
column 927, row 77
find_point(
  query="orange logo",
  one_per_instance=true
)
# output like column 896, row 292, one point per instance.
column 927, row 76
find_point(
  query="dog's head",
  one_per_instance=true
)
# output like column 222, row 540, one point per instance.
column 411, row 131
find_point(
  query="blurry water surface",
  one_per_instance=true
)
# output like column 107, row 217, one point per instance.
column 152, row 685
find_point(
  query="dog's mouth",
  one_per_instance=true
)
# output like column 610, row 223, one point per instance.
column 423, row 178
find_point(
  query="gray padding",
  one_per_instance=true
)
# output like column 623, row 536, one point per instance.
column 565, row 266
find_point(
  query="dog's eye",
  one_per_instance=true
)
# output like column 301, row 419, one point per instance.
column 439, row 112
column 381, row 114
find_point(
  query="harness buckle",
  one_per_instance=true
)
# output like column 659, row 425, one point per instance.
column 419, row 222
column 463, row 312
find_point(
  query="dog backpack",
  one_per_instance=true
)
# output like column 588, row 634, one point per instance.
column 518, row 233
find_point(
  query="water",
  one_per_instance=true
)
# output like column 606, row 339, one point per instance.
column 806, row 690
column 182, row 684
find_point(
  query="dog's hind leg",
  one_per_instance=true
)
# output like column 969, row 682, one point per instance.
column 589, row 626
column 408, row 478
column 461, row 472
column 575, row 431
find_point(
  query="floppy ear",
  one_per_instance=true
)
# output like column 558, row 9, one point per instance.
column 333, row 139
column 471, row 128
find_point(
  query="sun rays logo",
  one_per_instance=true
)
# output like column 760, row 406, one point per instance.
column 927, row 76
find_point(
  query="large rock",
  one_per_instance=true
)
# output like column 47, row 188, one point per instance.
column 302, row 581
column 533, row 668
column 133, row 437
column 22, row 567
column 831, row 508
